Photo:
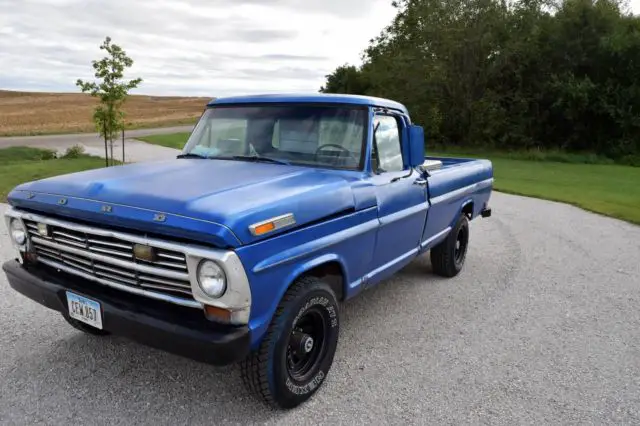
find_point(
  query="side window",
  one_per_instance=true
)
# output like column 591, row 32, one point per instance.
column 387, row 153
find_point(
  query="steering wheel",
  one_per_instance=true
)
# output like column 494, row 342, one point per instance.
column 340, row 147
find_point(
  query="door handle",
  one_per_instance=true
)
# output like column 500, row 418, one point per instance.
column 420, row 182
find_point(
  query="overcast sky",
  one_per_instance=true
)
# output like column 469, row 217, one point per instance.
column 189, row 47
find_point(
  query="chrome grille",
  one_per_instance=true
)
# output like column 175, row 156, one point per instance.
column 111, row 259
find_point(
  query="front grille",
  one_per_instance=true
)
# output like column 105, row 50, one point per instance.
column 111, row 259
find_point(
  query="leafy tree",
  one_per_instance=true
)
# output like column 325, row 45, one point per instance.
column 112, row 91
column 346, row 79
column 510, row 74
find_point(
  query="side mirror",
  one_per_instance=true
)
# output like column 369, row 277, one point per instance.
column 416, row 146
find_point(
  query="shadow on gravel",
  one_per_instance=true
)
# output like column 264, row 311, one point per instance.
column 83, row 376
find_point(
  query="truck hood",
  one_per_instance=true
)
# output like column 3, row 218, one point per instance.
column 210, row 200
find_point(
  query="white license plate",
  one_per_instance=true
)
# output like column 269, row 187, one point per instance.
column 85, row 310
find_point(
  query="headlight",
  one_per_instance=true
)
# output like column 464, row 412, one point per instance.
column 211, row 278
column 17, row 232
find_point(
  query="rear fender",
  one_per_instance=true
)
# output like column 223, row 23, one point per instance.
column 459, row 211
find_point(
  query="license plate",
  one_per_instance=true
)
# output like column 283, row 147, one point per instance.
column 85, row 310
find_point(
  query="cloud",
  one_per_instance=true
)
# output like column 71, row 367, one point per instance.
column 199, row 47
column 262, row 36
column 285, row 57
column 348, row 8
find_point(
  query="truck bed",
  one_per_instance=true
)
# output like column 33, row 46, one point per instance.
column 456, row 183
column 449, row 161
column 456, row 173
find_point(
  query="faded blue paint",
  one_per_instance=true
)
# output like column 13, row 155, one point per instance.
column 371, row 225
column 311, row 98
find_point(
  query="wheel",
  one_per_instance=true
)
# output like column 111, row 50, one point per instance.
column 79, row 325
column 447, row 258
column 297, row 350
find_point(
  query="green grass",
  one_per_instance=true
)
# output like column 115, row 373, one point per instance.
column 537, row 155
column 23, row 164
column 174, row 140
column 24, row 153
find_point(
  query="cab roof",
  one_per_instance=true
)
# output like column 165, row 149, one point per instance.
column 312, row 98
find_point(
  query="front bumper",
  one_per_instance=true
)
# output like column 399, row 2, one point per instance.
column 180, row 330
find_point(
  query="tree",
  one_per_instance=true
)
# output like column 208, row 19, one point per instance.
column 346, row 79
column 510, row 74
column 112, row 91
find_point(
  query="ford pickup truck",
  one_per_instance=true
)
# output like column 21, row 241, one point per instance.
column 241, row 249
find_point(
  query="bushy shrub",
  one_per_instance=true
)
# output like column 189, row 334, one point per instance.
column 46, row 154
column 74, row 151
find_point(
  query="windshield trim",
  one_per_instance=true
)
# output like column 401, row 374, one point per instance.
column 365, row 133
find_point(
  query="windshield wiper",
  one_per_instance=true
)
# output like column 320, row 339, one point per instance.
column 190, row 155
column 258, row 158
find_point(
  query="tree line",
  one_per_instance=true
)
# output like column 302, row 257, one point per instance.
column 510, row 75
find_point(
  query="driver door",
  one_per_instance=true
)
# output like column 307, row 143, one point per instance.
column 401, row 196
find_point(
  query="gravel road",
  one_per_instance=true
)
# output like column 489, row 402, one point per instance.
column 82, row 138
column 541, row 327
column 134, row 150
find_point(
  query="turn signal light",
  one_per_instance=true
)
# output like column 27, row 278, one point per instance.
column 272, row 224
column 264, row 228
column 214, row 313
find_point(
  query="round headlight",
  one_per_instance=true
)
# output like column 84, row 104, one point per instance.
column 211, row 278
column 17, row 232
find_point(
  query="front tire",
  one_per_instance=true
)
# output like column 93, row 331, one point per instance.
column 447, row 258
column 297, row 351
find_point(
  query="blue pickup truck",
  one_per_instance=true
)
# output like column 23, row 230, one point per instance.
column 241, row 249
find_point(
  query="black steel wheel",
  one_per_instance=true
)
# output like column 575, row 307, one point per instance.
column 447, row 258
column 460, row 246
column 307, row 344
column 297, row 351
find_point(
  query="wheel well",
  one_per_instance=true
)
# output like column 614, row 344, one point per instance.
column 468, row 210
column 332, row 274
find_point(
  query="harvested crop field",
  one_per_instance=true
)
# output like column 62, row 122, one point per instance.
column 34, row 113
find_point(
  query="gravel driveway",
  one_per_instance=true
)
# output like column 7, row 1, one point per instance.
column 134, row 150
column 542, row 326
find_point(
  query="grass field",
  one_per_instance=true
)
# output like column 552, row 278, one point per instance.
column 609, row 189
column 22, row 164
column 33, row 113
column 174, row 140
column 553, row 156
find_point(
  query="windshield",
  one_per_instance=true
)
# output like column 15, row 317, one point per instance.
column 323, row 136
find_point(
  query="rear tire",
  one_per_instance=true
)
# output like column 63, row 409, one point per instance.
column 85, row 328
column 447, row 258
column 297, row 350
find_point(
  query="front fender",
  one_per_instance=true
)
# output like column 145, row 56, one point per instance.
column 274, row 264
column 310, row 264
